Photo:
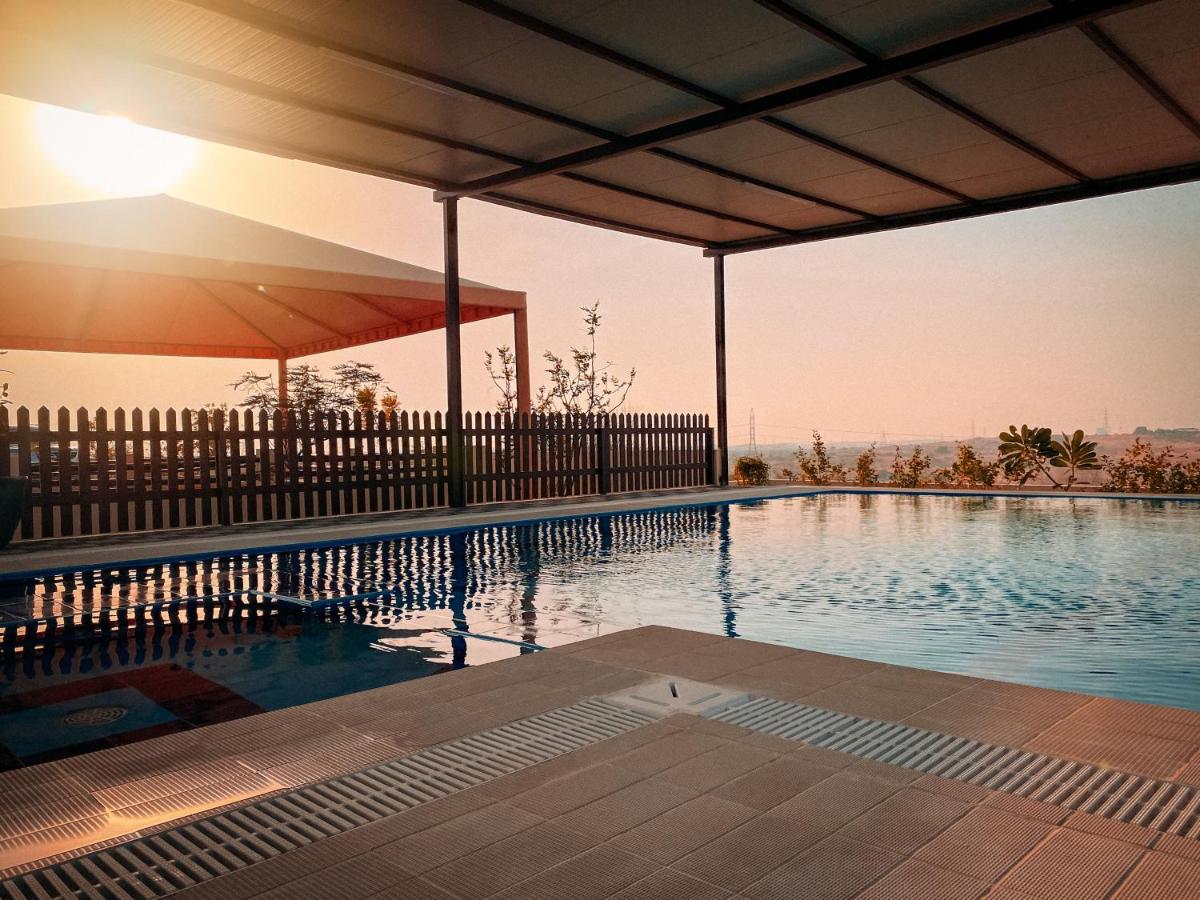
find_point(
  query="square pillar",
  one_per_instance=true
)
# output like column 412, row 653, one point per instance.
column 455, row 455
column 521, row 352
column 722, row 392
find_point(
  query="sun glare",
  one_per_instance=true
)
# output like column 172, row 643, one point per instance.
column 112, row 154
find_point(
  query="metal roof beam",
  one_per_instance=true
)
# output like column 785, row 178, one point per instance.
column 1098, row 187
column 819, row 30
column 654, row 73
column 280, row 26
column 961, row 47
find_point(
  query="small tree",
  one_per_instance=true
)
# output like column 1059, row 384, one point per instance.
column 583, row 385
column 789, row 475
column 502, row 369
column 259, row 392
column 910, row 472
column 348, row 379
column 750, row 470
column 816, row 467
column 865, row 471
column 577, row 384
column 969, row 468
column 309, row 389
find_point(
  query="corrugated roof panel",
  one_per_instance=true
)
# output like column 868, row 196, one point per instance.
column 994, row 162
column 567, row 81
column 636, row 213
column 753, row 51
column 738, row 144
column 430, row 34
column 710, row 192
column 1002, row 183
column 888, row 27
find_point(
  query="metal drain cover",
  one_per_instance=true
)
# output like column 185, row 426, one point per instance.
column 666, row 696
column 92, row 716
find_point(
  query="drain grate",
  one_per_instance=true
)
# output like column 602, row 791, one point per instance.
column 1164, row 806
column 160, row 864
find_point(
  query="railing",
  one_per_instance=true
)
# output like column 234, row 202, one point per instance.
column 142, row 471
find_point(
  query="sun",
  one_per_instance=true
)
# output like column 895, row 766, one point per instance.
column 111, row 153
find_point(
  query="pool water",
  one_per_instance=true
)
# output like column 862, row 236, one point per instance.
column 1089, row 594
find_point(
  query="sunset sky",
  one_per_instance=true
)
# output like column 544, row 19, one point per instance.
column 1047, row 316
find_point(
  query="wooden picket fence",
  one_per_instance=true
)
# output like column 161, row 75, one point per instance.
column 95, row 474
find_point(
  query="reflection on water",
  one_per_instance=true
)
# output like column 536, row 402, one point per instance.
column 1088, row 594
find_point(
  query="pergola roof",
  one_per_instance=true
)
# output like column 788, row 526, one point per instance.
column 729, row 124
column 158, row 275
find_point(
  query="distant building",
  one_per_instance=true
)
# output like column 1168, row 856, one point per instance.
column 1188, row 433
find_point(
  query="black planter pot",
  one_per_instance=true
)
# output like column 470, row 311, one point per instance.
column 12, row 503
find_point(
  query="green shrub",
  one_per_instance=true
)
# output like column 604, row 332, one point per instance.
column 969, row 469
column 910, row 472
column 865, row 471
column 816, row 467
column 1141, row 469
column 751, row 470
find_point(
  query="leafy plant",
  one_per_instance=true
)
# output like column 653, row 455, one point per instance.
column 790, row 476
column 388, row 403
column 750, row 470
column 1075, row 455
column 1024, row 453
column 1029, row 452
column 816, row 467
column 4, row 401
column 865, row 471
column 365, row 400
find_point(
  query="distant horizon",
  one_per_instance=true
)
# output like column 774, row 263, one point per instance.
column 1049, row 315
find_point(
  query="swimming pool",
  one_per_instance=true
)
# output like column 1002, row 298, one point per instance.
column 1090, row 594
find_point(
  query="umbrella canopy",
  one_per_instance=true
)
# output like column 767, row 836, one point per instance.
column 158, row 275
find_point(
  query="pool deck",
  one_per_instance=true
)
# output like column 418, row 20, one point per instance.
column 679, row 804
column 56, row 554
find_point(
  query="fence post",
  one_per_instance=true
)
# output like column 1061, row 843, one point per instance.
column 218, row 437
column 602, row 454
column 710, row 454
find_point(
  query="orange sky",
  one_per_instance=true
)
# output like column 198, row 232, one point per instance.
column 1049, row 315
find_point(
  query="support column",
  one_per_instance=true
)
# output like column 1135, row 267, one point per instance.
column 722, row 393
column 457, row 487
column 283, row 387
column 521, row 352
